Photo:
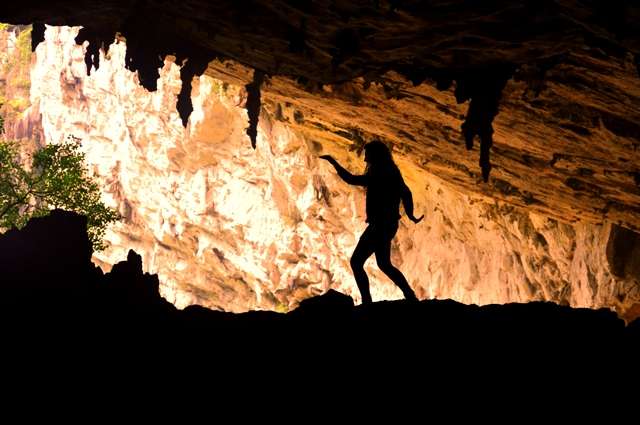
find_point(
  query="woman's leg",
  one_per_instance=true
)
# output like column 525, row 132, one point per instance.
column 364, row 249
column 383, row 258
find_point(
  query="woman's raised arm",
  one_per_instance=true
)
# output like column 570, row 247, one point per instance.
column 356, row 180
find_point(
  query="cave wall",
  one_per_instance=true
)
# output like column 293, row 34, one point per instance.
column 569, row 150
column 234, row 228
column 422, row 75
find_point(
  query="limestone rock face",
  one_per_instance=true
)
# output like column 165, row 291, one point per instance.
column 234, row 228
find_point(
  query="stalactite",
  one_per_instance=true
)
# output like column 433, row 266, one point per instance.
column 253, row 105
column 97, row 40
column 145, row 59
column 37, row 35
column 92, row 55
column 194, row 66
column 483, row 88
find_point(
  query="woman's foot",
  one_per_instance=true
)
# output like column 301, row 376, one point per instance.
column 411, row 297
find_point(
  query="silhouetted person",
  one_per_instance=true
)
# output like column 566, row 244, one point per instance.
column 385, row 189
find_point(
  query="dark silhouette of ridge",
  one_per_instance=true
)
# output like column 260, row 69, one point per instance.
column 56, row 304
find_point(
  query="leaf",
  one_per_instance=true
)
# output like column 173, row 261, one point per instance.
column 57, row 178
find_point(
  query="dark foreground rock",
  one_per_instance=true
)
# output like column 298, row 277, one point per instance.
column 59, row 311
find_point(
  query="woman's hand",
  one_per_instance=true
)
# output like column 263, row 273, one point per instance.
column 416, row 220
column 328, row 158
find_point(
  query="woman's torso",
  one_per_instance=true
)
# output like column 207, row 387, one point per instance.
column 383, row 196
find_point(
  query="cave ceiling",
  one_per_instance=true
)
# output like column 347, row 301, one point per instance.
column 535, row 103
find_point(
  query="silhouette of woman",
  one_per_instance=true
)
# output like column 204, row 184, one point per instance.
column 385, row 188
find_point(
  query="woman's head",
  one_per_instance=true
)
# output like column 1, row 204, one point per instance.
column 379, row 160
column 377, row 153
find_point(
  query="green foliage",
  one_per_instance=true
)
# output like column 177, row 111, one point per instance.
column 20, row 60
column 57, row 179
column 23, row 46
column 18, row 104
column 16, row 74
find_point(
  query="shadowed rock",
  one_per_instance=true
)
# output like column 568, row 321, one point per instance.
column 623, row 253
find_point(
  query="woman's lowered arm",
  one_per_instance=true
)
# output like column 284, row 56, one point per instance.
column 407, row 201
column 344, row 174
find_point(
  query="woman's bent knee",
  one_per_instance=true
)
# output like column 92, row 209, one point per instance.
column 386, row 267
column 356, row 263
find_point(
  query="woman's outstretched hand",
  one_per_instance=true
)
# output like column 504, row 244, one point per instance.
column 328, row 158
column 416, row 220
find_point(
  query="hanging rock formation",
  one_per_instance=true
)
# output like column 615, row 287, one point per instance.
column 327, row 42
